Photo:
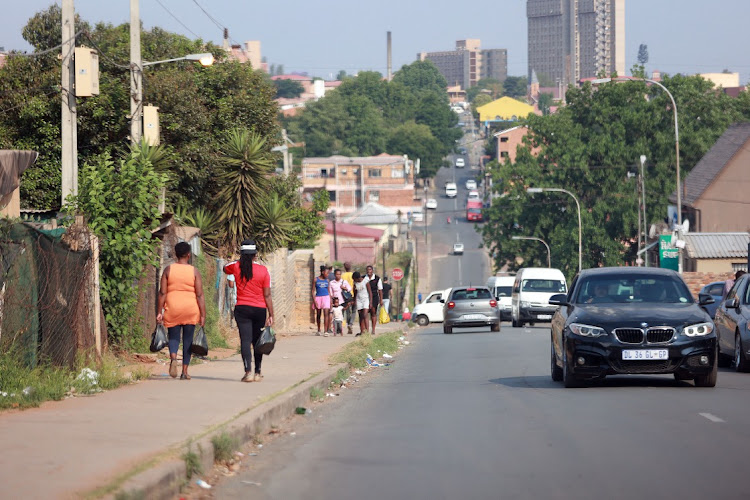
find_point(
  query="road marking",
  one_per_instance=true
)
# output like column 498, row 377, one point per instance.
column 712, row 418
column 460, row 277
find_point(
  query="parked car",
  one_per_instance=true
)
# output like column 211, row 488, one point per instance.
column 460, row 163
column 473, row 195
column 468, row 307
column 471, row 184
column 430, row 310
column 501, row 288
column 532, row 289
column 431, row 204
column 458, row 248
column 417, row 215
column 732, row 326
column 715, row 290
column 450, row 190
column 624, row 320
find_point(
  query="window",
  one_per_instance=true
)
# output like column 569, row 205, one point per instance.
column 503, row 154
column 397, row 173
column 332, row 195
column 324, row 172
column 542, row 285
column 373, row 195
column 503, row 139
column 374, row 172
column 434, row 298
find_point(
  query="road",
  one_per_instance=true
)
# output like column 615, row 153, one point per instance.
column 475, row 415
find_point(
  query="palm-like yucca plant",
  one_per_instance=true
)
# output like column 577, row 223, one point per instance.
column 209, row 226
column 273, row 225
column 246, row 163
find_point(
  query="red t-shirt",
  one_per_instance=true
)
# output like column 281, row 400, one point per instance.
column 250, row 293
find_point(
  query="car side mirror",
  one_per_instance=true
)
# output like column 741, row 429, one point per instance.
column 497, row 298
column 442, row 301
column 705, row 298
column 732, row 303
column 559, row 299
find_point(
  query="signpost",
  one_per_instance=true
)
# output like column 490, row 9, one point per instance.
column 398, row 274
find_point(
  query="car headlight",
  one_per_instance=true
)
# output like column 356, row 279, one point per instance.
column 698, row 330
column 525, row 303
column 587, row 330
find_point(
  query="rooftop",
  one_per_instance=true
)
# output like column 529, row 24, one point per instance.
column 373, row 213
column 382, row 159
column 354, row 230
column 717, row 245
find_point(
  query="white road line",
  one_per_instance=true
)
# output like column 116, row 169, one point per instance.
column 712, row 418
column 460, row 275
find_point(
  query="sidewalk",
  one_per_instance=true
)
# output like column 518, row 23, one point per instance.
column 68, row 448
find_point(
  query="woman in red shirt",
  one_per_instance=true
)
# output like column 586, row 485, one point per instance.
column 254, row 309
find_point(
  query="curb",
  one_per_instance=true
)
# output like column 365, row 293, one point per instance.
column 166, row 478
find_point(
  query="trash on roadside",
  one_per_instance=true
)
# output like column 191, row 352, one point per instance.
column 203, row 484
column 401, row 338
column 359, row 372
column 27, row 391
column 239, row 454
column 331, row 395
column 251, row 482
column 260, row 446
column 274, row 430
column 252, row 454
column 88, row 375
column 302, row 411
column 284, row 357
column 387, row 356
column 292, row 433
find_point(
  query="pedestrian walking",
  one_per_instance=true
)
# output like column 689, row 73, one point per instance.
column 350, row 307
column 254, row 309
column 322, row 300
column 181, row 306
column 336, row 286
column 419, row 297
column 376, row 295
column 387, row 287
column 337, row 313
column 728, row 284
column 362, row 298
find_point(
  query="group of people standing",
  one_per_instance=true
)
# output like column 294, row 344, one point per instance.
column 336, row 295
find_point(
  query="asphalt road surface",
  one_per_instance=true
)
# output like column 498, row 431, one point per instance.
column 475, row 415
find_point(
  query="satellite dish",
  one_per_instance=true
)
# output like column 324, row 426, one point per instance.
column 652, row 231
column 685, row 226
column 673, row 239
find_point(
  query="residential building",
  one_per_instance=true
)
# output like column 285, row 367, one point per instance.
column 716, row 252
column 349, row 242
column 725, row 80
column 573, row 39
column 353, row 182
column 469, row 63
column 313, row 89
column 508, row 141
column 249, row 53
column 505, row 109
column 715, row 196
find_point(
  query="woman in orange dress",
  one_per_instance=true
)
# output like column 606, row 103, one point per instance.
column 181, row 306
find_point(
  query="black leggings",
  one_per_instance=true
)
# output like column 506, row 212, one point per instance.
column 187, row 340
column 250, row 321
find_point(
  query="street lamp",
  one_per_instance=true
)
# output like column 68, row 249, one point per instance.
column 206, row 59
column 676, row 146
column 549, row 255
column 532, row 190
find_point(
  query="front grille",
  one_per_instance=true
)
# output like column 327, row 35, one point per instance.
column 623, row 366
column 629, row 335
column 659, row 335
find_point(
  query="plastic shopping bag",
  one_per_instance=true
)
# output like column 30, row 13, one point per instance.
column 159, row 339
column 266, row 342
column 384, row 317
column 200, row 344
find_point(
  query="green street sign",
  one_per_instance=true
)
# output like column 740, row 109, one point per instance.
column 669, row 256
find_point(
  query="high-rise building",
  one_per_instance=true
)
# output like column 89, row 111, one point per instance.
column 469, row 63
column 574, row 39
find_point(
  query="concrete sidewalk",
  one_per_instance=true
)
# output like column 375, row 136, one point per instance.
column 69, row 448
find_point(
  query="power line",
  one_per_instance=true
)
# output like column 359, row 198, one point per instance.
column 36, row 54
column 105, row 56
column 176, row 19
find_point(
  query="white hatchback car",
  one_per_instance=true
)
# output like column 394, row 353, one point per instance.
column 431, row 204
column 473, row 194
column 458, row 248
column 471, row 184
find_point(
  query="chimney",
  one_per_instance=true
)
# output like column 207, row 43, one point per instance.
column 390, row 65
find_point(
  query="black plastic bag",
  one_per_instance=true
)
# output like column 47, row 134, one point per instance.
column 200, row 344
column 159, row 339
column 347, row 295
column 266, row 342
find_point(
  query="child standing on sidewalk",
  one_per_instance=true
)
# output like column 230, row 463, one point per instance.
column 337, row 311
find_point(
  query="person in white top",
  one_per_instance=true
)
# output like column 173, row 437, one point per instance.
column 337, row 311
column 376, row 287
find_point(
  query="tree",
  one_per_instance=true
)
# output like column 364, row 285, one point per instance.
column 494, row 86
column 341, row 75
column 545, row 103
column 515, row 86
column 643, row 54
column 288, row 88
column 272, row 225
column 422, row 76
column 417, row 141
column 479, row 101
column 307, row 222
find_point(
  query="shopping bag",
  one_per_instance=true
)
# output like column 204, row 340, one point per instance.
column 384, row 317
column 200, row 344
column 266, row 342
column 159, row 339
column 347, row 295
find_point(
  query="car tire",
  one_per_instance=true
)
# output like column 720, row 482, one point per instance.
column 557, row 372
column 569, row 380
column 495, row 328
column 514, row 322
column 708, row 380
column 447, row 329
column 740, row 363
column 423, row 320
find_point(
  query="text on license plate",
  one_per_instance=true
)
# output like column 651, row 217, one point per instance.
column 474, row 316
column 645, row 354
column 544, row 316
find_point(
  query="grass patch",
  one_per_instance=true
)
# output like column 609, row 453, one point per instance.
column 224, row 447
column 317, row 394
column 341, row 375
column 354, row 354
column 140, row 373
column 207, row 268
column 192, row 460
column 130, row 495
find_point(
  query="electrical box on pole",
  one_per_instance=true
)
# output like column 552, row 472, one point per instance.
column 87, row 72
column 151, row 129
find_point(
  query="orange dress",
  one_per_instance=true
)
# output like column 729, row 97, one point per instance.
column 181, row 307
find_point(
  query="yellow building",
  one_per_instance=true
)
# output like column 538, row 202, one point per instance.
column 505, row 109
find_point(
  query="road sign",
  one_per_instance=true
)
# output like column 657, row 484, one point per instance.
column 397, row 274
column 668, row 254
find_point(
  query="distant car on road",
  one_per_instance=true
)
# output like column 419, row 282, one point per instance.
column 431, row 204
column 502, row 289
column 460, row 163
column 626, row 320
column 474, row 210
column 430, row 310
column 715, row 290
column 417, row 215
column 467, row 307
column 732, row 320
column 473, row 195
column 471, row 184
column 458, row 248
column 450, row 190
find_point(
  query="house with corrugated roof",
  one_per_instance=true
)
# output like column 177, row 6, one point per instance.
column 715, row 196
column 716, row 252
column 349, row 242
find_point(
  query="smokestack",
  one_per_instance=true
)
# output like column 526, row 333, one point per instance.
column 390, row 65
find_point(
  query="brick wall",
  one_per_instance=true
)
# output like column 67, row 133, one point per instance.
column 397, row 197
column 696, row 280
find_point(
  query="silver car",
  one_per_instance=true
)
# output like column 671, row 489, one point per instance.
column 467, row 307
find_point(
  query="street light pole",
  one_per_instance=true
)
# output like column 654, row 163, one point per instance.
column 549, row 254
column 532, row 190
column 136, row 75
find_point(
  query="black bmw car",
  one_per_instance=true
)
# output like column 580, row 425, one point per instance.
column 619, row 320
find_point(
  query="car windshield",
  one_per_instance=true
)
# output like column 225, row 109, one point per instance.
column 503, row 291
column 629, row 289
column 547, row 286
column 471, row 294
column 475, row 210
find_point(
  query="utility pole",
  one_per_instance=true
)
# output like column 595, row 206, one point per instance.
column 285, row 151
column 136, row 75
column 382, row 252
column 645, row 221
column 389, row 62
column 335, row 239
column 69, row 158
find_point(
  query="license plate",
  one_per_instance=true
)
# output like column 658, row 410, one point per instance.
column 645, row 354
column 544, row 316
column 474, row 316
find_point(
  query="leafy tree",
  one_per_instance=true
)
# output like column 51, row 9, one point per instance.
column 422, row 76
column 515, row 86
column 494, row 86
column 479, row 101
column 288, row 88
column 341, row 75
column 545, row 102
column 643, row 54
column 417, row 141
column 434, row 112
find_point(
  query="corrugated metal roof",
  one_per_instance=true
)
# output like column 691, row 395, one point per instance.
column 717, row 245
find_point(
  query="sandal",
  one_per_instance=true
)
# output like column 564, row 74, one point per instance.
column 185, row 376
column 257, row 377
column 173, row 368
column 247, row 378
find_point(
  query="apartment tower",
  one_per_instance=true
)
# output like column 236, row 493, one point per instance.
column 469, row 63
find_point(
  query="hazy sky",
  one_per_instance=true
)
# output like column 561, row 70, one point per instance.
column 322, row 37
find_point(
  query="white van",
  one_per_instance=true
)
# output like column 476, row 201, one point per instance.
column 502, row 289
column 430, row 310
column 451, row 191
column 532, row 289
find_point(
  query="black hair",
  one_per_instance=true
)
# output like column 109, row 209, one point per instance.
column 182, row 249
column 356, row 275
column 246, row 267
column 337, row 270
column 738, row 274
column 323, row 268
